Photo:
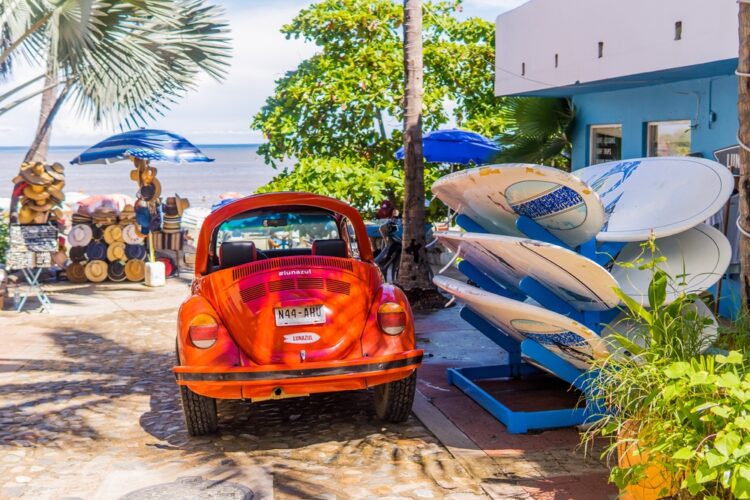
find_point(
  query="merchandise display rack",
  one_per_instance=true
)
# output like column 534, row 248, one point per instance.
column 528, row 357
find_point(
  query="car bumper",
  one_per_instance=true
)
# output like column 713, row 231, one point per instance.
column 278, row 381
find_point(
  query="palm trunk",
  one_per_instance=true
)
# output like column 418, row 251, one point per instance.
column 414, row 272
column 743, row 109
column 39, row 148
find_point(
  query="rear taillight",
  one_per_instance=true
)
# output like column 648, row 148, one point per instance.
column 203, row 331
column 391, row 318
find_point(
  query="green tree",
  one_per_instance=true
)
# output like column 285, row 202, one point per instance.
column 538, row 131
column 340, row 102
column 118, row 61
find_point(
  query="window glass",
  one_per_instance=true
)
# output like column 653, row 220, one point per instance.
column 606, row 143
column 279, row 229
column 353, row 245
column 669, row 138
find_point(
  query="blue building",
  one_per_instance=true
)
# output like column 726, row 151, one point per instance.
column 646, row 78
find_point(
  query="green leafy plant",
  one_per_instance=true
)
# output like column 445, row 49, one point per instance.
column 4, row 236
column 674, row 408
column 354, row 181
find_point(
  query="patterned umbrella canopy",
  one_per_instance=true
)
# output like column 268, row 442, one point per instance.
column 456, row 146
column 147, row 144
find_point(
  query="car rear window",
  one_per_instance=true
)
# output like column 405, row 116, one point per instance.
column 279, row 229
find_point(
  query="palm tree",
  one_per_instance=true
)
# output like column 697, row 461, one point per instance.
column 121, row 62
column 538, row 131
column 414, row 270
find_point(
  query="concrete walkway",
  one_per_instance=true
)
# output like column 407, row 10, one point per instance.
column 90, row 410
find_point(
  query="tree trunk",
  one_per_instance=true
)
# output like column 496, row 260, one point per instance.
column 39, row 148
column 414, row 272
column 743, row 109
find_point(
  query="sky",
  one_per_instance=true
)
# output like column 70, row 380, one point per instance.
column 216, row 112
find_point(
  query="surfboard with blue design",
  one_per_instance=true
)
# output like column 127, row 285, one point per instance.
column 664, row 195
column 495, row 196
column 568, row 339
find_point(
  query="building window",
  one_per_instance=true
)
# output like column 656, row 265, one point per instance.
column 670, row 138
column 606, row 143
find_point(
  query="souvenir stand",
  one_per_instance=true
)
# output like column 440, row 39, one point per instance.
column 152, row 220
column 35, row 223
column 528, row 357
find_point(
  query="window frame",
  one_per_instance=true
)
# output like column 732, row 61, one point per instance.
column 592, row 143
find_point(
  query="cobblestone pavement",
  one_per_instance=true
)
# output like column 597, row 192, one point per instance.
column 89, row 409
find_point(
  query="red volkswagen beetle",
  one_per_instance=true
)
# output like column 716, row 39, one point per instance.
column 287, row 302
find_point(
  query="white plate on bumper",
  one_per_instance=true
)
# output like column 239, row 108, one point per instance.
column 300, row 315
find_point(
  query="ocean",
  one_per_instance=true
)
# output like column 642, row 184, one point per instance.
column 237, row 167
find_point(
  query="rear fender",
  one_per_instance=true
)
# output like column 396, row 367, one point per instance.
column 377, row 343
column 223, row 354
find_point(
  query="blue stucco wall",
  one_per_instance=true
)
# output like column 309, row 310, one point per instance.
column 686, row 100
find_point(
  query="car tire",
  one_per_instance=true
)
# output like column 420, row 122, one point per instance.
column 393, row 401
column 201, row 416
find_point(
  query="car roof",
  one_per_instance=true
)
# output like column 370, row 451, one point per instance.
column 270, row 200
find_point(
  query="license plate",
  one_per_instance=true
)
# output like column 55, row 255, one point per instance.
column 300, row 315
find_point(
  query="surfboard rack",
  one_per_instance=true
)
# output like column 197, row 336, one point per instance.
column 528, row 357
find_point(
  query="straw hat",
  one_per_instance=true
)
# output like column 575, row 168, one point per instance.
column 56, row 193
column 79, row 218
column 150, row 191
column 135, row 270
column 32, row 192
column 56, row 171
column 96, row 251
column 76, row 273
column 116, row 271
column 26, row 215
column 96, row 271
column 137, row 252
column 130, row 235
column 134, row 175
column 37, row 205
column 182, row 204
column 148, row 176
column 116, row 251
column 112, row 233
column 80, row 235
column 34, row 173
column 77, row 254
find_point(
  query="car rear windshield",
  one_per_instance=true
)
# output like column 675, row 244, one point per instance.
column 279, row 229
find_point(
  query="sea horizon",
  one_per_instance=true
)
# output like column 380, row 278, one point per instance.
column 236, row 168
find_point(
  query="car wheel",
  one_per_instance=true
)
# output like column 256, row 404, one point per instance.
column 201, row 417
column 393, row 401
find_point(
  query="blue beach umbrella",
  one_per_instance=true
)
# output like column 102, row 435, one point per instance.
column 456, row 146
column 145, row 144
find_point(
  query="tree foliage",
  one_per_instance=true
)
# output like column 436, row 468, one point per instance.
column 122, row 61
column 341, row 101
column 538, row 131
column 354, row 181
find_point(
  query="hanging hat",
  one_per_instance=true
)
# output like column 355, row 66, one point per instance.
column 56, row 193
column 76, row 273
column 116, row 271
column 130, row 235
column 37, row 205
column 135, row 270
column 148, row 176
column 56, row 171
column 79, row 218
column 137, row 252
column 96, row 271
column 116, row 251
column 33, row 194
column 34, row 173
column 170, row 206
column 112, row 233
column 80, row 235
column 97, row 232
column 182, row 204
column 150, row 191
column 77, row 254
column 96, row 251
column 134, row 175
column 26, row 215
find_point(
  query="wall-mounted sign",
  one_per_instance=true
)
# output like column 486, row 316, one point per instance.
column 729, row 157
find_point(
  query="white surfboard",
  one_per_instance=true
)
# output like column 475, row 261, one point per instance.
column 569, row 339
column 637, row 333
column 577, row 280
column 494, row 196
column 666, row 195
column 702, row 254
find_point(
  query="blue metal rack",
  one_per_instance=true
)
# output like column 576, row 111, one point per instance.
column 519, row 422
